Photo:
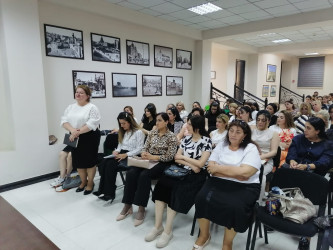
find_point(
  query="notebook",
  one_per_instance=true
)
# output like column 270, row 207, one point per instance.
column 71, row 143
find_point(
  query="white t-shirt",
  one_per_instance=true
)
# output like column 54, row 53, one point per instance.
column 78, row 116
column 216, row 137
column 249, row 156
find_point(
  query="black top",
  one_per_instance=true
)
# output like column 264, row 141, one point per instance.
column 149, row 125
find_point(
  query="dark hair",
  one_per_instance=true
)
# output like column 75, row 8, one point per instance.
column 248, row 110
column 130, row 108
column 255, row 104
column 133, row 125
column 318, row 124
column 152, row 109
column 175, row 112
column 291, row 101
column 247, row 131
column 308, row 96
column 265, row 113
column 289, row 119
column 198, row 122
column 197, row 103
column 215, row 103
column 273, row 105
column 202, row 113
column 164, row 116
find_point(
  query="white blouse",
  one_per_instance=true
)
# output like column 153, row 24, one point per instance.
column 132, row 142
column 78, row 116
column 249, row 156
column 217, row 137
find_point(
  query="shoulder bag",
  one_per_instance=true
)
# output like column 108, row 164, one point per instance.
column 137, row 161
column 177, row 172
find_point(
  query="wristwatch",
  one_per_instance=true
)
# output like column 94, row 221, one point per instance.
column 308, row 167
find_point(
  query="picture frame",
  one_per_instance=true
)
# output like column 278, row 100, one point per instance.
column 94, row 80
column 183, row 59
column 124, row 85
column 213, row 75
column 273, row 91
column 137, row 53
column 174, row 85
column 151, row 85
column 63, row 42
column 265, row 90
column 105, row 48
column 163, row 56
column 271, row 73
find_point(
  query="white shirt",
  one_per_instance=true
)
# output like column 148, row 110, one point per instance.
column 132, row 142
column 78, row 116
column 216, row 137
column 183, row 114
column 249, row 156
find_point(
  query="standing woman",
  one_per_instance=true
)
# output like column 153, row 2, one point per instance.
column 161, row 146
column 179, row 195
column 175, row 123
column 284, row 126
column 82, row 119
column 272, row 109
column 148, row 120
column 219, row 134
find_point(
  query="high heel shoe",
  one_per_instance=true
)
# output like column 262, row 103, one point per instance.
column 123, row 216
column 106, row 198
column 79, row 189
column 86, row 192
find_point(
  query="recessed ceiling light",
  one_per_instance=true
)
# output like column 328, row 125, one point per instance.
column 205, row 9
column 267, row 34
column 281, row 41
column 312, row 54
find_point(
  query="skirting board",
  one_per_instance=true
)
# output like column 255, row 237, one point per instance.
column 27, row 182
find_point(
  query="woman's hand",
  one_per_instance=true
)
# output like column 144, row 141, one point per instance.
column 120, row 157
column 115, row 153
column 212, row 167
column 74, row 133
column 293, row 164
column 149, row 156
column 301, row 166
column 195, row 169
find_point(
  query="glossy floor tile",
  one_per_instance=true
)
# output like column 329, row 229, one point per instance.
column 74, row 221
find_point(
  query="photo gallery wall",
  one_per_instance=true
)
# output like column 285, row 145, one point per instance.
column 68, row 43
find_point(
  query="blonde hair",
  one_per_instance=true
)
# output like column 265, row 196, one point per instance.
column 181, row 103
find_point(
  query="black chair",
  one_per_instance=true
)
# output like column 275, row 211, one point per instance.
column 313, row 186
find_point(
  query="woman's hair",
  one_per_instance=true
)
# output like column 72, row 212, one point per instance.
column 273, row 105
column 133, row 125
column 255, row 104
column 308, row 96
column 215, row 103
column 196, row 103
column 224, row 118
column 164, row 116
column 130, row 108
column 324, row 114
column 198, row 122
column 180, row 103
column 307, row 106
column 202, row 113
column 289, row 119
column 246, row 130
column 318, row 124
column 265, row 113
column 86, row 90
column 248, row 110
column 152, row 109
column 291, row 102
column 235, row 105
column 175, row 112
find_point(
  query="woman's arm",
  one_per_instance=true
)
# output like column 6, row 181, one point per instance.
column 241, row 173
column 197, row 163
column 274, row 147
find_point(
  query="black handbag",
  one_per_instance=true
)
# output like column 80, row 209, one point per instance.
column 177, row 172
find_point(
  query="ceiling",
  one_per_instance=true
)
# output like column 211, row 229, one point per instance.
column 309, row 36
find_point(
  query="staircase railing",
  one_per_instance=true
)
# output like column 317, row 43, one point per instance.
column 287, row 94
column 242, row 96
column 221, row 96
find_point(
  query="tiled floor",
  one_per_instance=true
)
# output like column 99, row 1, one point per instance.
column 74, row 221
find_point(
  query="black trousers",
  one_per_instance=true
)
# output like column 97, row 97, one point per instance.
column 138, row 183
column 108, row 170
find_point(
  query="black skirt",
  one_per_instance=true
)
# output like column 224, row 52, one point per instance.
column 227, row 203
column 179, row 194
column 86, row 153
column 68, row 149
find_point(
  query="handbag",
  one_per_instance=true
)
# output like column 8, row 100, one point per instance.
column 137, row 161
column 71, row 182
column 177, row 172
column 294, row 206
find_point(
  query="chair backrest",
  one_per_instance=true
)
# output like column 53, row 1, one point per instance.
column 313, row 186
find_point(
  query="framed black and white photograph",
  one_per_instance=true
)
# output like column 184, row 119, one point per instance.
column 105, row 48
column 184, row 59
column 137, row 53
column 63, row 42
column 174, row 85
column 94, row 80
column 124, row 85
column 151, row 85
column 163, row 56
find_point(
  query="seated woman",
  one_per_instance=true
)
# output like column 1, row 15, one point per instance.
column 131, row 141
column 245, row 115
column 182, row 112
column 213, row 112
column 268, row 142
column 184, row 131
column 161, row 146
column 179, row 195
column 285, row 128
column 291, row 108
column 219, row 134
column 272, row 109
column 228, row 197
column 303, row 116
column 311, row 151
column 148, row 119
column 175, row 123
column 232, row 111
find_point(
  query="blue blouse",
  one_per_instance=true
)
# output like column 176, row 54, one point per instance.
column 303, row 151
